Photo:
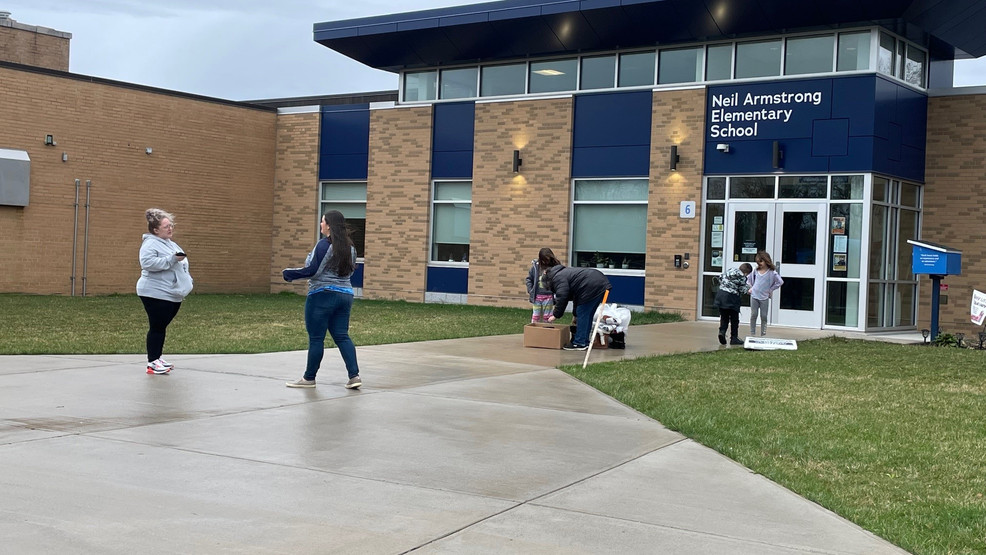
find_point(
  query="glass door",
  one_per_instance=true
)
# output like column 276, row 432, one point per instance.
column 794, row 235
column 799, row 253
column 750, row 229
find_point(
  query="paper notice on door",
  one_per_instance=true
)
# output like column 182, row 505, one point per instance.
column 840, row 243
column 717, row 239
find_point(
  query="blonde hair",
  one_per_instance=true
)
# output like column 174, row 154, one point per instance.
column 154, row 218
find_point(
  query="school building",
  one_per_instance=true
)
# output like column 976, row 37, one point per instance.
column 661, row 141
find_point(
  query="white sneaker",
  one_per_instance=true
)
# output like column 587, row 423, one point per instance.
column 165, row 363
column 157, row 367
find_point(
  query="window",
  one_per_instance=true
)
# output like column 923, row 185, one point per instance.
column 459, row 83
column 451, row 215
column 914, row 67
column 636, row 69
column 683, row 65
column 553, row 76
column 609, row 223
column 892, row 286
column 502, row 80
column 719, row 62
column 758, row 59
column 813, row 186
column 885, row 55
column 598, row 72
column 751, row 187
column 350, row 199
column 847, row 187
column 420, row 85
column 854, row 51
column 809, row 55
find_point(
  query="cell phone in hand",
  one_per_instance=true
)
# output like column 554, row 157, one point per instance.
column 179, row 253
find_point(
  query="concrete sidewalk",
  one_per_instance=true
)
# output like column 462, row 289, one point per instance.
column 459, row 446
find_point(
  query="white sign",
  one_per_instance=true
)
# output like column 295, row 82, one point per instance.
column 687, row 209
column 978, row 307
column 768, row 344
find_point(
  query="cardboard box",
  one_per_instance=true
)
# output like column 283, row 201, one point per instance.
column 546, row 336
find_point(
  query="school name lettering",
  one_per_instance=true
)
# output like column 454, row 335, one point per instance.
column 732, row 114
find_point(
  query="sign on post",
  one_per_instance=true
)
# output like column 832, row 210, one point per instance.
column 978, row 309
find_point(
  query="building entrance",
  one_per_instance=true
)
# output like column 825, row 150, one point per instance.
column 793, row 233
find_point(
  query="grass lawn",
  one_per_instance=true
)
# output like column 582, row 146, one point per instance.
column 34, row 324
column 891, row 437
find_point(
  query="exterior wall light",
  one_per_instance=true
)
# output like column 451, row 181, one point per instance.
column 778, row 157
column 517, row 161
column 674, row 158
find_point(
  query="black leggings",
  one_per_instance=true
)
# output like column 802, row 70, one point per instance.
column 160, row 313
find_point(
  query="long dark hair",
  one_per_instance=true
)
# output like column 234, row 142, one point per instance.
column 546, row 258
column 341, row 261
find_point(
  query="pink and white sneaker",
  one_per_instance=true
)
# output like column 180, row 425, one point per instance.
column 165, row 363
column 157, row 367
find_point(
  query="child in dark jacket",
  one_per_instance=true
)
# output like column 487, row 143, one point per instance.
column 732, row 284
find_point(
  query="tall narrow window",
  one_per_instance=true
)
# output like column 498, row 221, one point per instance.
column 350, row 199
column 451, row 214
column 719, row 62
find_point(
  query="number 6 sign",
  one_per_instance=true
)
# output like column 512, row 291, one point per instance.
column 687, row 209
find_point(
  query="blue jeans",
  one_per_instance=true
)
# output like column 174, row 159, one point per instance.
column 584, row 321
column 329, row 311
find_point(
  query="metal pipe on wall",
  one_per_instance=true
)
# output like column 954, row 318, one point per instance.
column 75, row 234
column 85, row 243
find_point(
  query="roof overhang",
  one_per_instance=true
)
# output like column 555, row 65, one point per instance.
column 521, row 28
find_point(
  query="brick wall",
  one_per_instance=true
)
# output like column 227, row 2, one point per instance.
column 398, row 202
column 295, row 226
column 954, row 198
column 678, row 118
column 33, row 46
column 212, row 165
column 514, row 215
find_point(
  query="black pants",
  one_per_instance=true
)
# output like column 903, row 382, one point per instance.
column 729, row 317
column 160, row 313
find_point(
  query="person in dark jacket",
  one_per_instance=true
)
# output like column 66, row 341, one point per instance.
column 732, row 284
column 584, row 287
column 542, row 300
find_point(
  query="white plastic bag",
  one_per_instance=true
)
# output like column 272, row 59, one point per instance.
column 615, row 318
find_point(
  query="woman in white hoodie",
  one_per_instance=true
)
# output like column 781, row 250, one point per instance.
column 164, row 283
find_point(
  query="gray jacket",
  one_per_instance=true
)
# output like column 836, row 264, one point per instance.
column 162, row 275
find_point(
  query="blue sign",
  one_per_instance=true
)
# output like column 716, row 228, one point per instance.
column 935, row 259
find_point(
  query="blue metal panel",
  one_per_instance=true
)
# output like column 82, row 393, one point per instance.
column 357, row 277
column 453, row 165
column 342, row 166
column 861, row 123
column 612, row 119
column 626, row 290
column 854, row 99
column 830, row 138
column 611, row 134
column 615, row 161
column 344, row 142
column 452, row 140
column 448, row 280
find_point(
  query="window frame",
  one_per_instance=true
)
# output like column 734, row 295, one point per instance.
column 432, row 250
column 360, row 253
column 617, row 265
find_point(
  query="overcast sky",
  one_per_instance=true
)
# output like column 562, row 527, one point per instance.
column 235, row 49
